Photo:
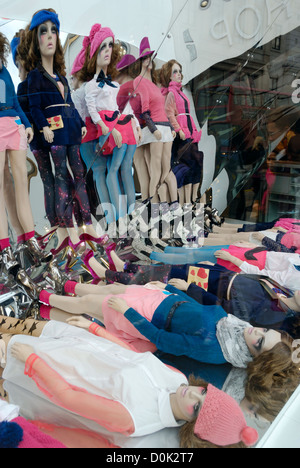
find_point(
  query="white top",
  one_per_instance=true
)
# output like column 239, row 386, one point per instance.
column 78, row 97
column 139, row 381
column 280, row 267
column 98, row 99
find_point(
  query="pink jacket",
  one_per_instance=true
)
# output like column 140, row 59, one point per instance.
column 178, row 110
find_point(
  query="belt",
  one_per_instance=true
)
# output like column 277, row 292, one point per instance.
column 171, row 313
column 5, row 108
column 58, row 105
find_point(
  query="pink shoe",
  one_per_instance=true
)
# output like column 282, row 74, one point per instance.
column 85, row 257
column 108, row 249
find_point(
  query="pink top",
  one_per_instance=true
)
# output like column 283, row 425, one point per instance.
column 178, row 110
column 151, row 99
column 239, row 252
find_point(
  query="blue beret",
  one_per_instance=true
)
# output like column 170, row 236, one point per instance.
column 42, row 16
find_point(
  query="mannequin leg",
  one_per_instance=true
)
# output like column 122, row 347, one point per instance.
column 142, row 170
column 188, row 193
column 112, row 181
column 10, row 200
column 156, row 153
column 19, row 171
column 15, row 326
column 127, row 177
column 3, row 223
column 167, row 175
column 63, row 198
column 43, row 160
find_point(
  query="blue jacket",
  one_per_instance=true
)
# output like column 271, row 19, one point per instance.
column 43, row 91
column 192, row 329
column 8, row 98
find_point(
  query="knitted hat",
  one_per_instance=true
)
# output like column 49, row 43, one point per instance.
column 99, row 37
column 42, row 16
column 221, row 421
column 80, row 58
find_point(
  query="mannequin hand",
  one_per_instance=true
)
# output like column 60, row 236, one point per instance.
column 48, row 134
column 157, row 135
column 173, row 134
column 29, row 134
column 79, row 321
column 21, row 351
column 182, row 135
column 223, row 255
column 83, row 132
column 178, row 283
column 118, row 304
column 139, row 135
column 117, row 137
column 104, row 128
column 258, row 236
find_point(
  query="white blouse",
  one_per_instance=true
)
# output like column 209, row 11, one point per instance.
column 78, row 97
column 280, row 267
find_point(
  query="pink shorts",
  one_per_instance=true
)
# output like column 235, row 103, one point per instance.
column 12, row 135
column 143, row 300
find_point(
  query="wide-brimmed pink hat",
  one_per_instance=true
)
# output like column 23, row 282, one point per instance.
column 99, row 37
column 125, row 61
column 145, row 48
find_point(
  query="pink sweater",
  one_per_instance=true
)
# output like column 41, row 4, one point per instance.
column 151, row 99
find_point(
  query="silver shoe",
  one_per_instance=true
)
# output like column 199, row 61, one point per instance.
column 36, row 252
column 55, row 278
column 30, row 288
column 9, row 263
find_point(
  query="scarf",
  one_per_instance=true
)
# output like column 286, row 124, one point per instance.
column 230, row 334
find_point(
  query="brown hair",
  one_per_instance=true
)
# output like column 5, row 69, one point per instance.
column 165, row 72
column 4, row 49
column 138, row 69
column 272, row 377
column 30, row 54
column 89, row 69
column 186, row 435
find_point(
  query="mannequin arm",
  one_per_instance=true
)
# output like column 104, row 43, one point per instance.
column 107, row 413
column 171, row 111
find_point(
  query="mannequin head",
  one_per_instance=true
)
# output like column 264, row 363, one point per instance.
column 80, row 65
column 42, row 41
column 15, row 47
column 105, row 53
column 217, row 419
column 170, row 71
column 4, row 50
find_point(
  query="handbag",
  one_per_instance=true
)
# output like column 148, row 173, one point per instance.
column 198, row 276
column 55, row 122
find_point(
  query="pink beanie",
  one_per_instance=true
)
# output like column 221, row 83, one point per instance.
column 99, row 37
column 222, row 422
column 80, row 58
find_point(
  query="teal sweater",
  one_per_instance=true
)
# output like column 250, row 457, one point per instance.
column 192, row 331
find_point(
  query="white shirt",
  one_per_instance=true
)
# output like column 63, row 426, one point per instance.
column 280, row 267
column 139, row 381
column 78, row 97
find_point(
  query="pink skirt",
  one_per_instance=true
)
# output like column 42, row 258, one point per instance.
column 12, row 135
column 143, row 300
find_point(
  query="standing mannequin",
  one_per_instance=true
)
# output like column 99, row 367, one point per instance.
column 15, row 132
column 157, row 131
column 49, row 98
column 101, row 99
column 177, row 108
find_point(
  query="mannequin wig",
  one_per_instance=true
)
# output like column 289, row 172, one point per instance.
column 4, row 49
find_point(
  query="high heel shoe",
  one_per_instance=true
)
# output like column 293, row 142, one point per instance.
column 45, row 239
column 86, row 257
column 91, row 240
column 63, row 246
column 55, row 278
column 9, row 263
column 38, row 256
column 108, row 249
column 30, row 288
column 78, row 248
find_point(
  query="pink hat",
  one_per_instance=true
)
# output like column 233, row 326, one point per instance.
column 80, row 58
column 125, row 61
column 145, row 48
column 222, row 422
column 99, row 37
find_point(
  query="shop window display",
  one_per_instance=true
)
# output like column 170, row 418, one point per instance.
column 167, row 163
